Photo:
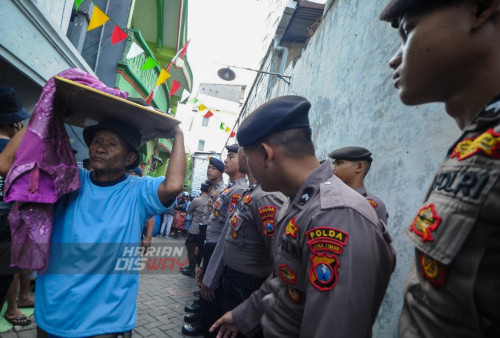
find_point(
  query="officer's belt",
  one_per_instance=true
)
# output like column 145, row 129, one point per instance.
column 244, row 280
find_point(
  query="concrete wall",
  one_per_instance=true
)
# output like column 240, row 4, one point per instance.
column 344, row 72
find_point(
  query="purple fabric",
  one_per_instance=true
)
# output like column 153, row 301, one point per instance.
column 44, row 169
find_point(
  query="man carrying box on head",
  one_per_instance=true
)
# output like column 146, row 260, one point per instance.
column 77, row 296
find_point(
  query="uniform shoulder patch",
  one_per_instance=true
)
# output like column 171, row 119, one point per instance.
column 488, row 143
column 268, row 220
column 372, row 203
column 292, row 228
column 247, row 199
column 287, row 274
column 425, row 222
column 234, row 200
column 323, row 271
column 327, row 239
column 294, row 294
column 432, row 270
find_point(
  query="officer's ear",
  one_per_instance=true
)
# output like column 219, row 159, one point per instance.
column 268, row 151
column 484, row 11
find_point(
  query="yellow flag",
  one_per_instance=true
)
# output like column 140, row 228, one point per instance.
column 227, row 129
column 201, row 107
column 162, row 77
column 98, row 18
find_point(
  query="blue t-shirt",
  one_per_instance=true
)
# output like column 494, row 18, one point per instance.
column 82, row 294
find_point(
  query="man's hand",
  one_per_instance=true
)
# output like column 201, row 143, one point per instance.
column 227, row 326
column 146, row 243
column 206, row 293
column 172, row 133
column 199, row 275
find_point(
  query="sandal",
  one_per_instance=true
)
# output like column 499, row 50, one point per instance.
column 21, row 321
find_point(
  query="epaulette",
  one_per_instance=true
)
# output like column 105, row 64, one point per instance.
column 336, row 194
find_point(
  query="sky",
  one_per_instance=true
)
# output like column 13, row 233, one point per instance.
column 228, row 32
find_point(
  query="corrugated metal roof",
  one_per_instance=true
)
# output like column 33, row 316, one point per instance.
column 300, row 21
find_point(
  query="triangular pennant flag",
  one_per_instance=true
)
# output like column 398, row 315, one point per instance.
column 98, row 19
column 150, row 63
column 208, row 114
column 185, row 95
column 222, row 125
column 78, row 3
column 233, row 134
column 175, row 87
column 135, row 50
column 227, row 129
column 183, row 51
column 201, row 107
column 162, row 77
column 118, row 35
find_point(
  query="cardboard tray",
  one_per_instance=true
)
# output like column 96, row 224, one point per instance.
column 85, row 106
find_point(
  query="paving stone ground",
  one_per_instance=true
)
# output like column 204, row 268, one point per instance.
column 160, row 304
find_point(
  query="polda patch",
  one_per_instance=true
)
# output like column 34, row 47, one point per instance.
column 323, row 272
column 433, row 271
column 372, row 203
column 234, row 200
column 292, row 228
column 426, row 222
column 267, row 218
column 287, row 274
column 327, row 239
column 488, row 143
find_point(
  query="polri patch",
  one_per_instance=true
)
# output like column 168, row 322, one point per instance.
column 226, row 191
column 426, row 222
column 292, row 228
column 323, row 271
column 267, row 219
column 372, row 203
column 326, row 239
column 287, row 274
column 488, row 143
column 433, row 271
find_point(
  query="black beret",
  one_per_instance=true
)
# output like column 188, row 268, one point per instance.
column 233, row 148
column 351, row 154
column 217, row 163
column 207, row 181
column 396, row 9
column 204, row 187
column 279, row 114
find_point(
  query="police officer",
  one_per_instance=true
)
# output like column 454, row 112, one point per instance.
column 214, row 179
column 332, row 256
column 450, row 53
column 351, row 164
column 211, row 300
column 243, row 256
column 197, row 211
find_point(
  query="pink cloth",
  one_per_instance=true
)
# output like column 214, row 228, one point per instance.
column 44, row 169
